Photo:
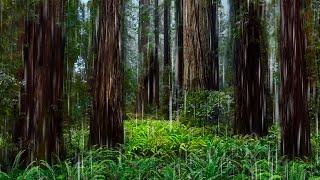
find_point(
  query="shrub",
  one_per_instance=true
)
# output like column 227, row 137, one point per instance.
column 203, row 107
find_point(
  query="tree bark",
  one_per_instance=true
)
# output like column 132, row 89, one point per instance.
column 167, row 60
column 41, row 103
column 310, row 54
column 148, row 85
column 200, row 47
column 155, row 65
column 250, row 60
column 106, row 127
column 180, row 62
column 295, row 124
column 212, row 72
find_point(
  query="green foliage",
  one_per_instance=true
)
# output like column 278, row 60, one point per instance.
column 10, row 56
column 76, row 139
column 9, row 89
column 171, row 150
column 2, row 143
column 129, row 85
column 202, row 107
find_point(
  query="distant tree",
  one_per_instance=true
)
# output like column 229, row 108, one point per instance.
column 166, row 59
column 106, row 127
column 312, row 60
column 40, row 129
column 154, row 65
column 251, row 63
column 295, row 141
column 148, row 85
column 11, row 70
column 310, row 49
column 75, row 43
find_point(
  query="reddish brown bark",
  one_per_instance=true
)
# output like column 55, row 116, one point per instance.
column 212, row 71
column 250, row 60
column 295, row 124
column 106, row 127
column 41, row 103
column 179, row 36
column 200, row 45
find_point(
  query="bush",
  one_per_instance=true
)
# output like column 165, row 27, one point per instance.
column 203, row 107
column 9, row 88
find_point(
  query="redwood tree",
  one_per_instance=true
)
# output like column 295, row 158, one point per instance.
column 148, row 85
column 200, row 45
column 179, row 38
column 250, row 60
column 154, row 65
column 166, row 59
column 40, row 128
column 212, row 70
column 310, row 54
column 295, row 141
column 106, row 127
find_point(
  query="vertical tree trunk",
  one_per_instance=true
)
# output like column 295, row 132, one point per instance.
column 294, row 115
column 311, row 62
column 179, row 57
column 148, row 85
column 106, row 127
column 43, row 63
column 143, row 53
column 316, row 30
column 166, row 59
column 212, row 71
column 250, row 60
column 155, row 65
column 180, row 62
column 124, row 51
column 310, row 50
column 200, row 58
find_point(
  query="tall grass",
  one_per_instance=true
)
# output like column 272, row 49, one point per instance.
column 170, row 150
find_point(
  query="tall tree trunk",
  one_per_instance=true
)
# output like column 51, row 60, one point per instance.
column 155, row 65
column 148, row 85
column 124, row 51
column 316, row 26
column 311, row 62
column 310, row 50
column 200, row 58
column 106, row 127
column 179, row 68
column 143, row 53
column 251, row 60
column 42, row 103
column 295, row 124
column 179, row 36
column 212, row 71
column 167, row 60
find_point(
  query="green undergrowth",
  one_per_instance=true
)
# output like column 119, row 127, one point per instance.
column 170, row 150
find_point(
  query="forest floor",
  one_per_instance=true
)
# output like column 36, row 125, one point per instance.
column 157, row 149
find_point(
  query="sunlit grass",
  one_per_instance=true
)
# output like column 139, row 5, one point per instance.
column 170, row 150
